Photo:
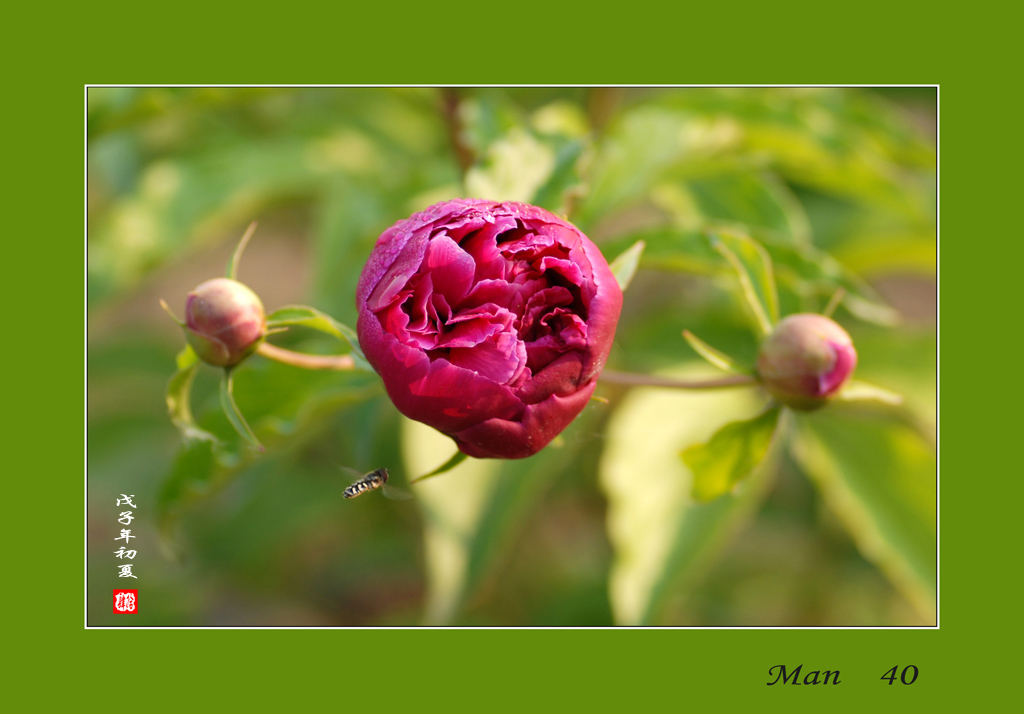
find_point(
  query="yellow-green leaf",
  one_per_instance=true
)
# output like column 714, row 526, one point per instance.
column 732, row 454
column 662, row 538
column 625, row 265
column 879, row 476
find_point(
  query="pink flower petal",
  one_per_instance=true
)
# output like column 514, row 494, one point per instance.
column 498, row 438
column 499, row 358
column 450, row 267
column 488, row 321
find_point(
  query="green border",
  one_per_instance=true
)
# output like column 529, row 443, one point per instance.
column 478, row 670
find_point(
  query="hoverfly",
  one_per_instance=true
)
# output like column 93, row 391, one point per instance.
column 372, row 481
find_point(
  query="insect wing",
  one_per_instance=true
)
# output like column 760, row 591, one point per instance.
column 395, row 493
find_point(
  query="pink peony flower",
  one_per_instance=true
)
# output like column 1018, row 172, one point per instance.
column 806, row 360
column 489, row 322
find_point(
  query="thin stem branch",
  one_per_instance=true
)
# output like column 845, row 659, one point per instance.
column 646, row 380
column 463, row 153
column 236, row 257
column 837, row 298
column 304, row 361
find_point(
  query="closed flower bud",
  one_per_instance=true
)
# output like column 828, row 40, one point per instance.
column 806, row 360
column 489, row 322
column 224, row 321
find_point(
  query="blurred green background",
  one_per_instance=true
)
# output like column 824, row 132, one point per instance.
column 838, row 527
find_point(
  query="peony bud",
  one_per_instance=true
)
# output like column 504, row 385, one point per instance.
column 806, row 360
column 224, row 321
column 489, row 322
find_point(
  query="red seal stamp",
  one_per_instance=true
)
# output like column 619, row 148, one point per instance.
column 126, row 602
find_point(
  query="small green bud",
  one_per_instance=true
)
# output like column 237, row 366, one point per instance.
column 224, row 321
column 806, row 360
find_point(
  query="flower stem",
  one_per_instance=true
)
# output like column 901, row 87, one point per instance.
column 304, row 361
column 646, row 380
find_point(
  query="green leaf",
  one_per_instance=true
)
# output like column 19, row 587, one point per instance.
column 718, row 142
column 662, row 538
column 745, row 196
column 625, row 265
column 566, row 183
column 186, row 358
column 485, row 118
column 882, row 252
column 471, row 514
column 814, row 274
column 541, row 159
column 904, row 361
column 213, row 172
column 753, row 266
column 514, row 168
column 638, row 148
column 719, row 359
column 447, row 466
column 179, row 389
column 349, row 217
column 454, row 511
column 313, row 318
column 805, row 272
column 879, row 476
column 192, row 474
column 227, row 403
column 188, row 200
column 731, row 455
column 289, row 406
column 839, row 141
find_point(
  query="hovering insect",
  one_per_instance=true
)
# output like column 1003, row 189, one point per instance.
column 372, row 481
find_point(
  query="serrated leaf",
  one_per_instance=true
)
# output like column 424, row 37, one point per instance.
column 314, row 319
column 879, row 476
column 662, row 538
column 731, row 455
column 625, row 265
column 231, row 411
column 754, row 269
column 719, row 359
